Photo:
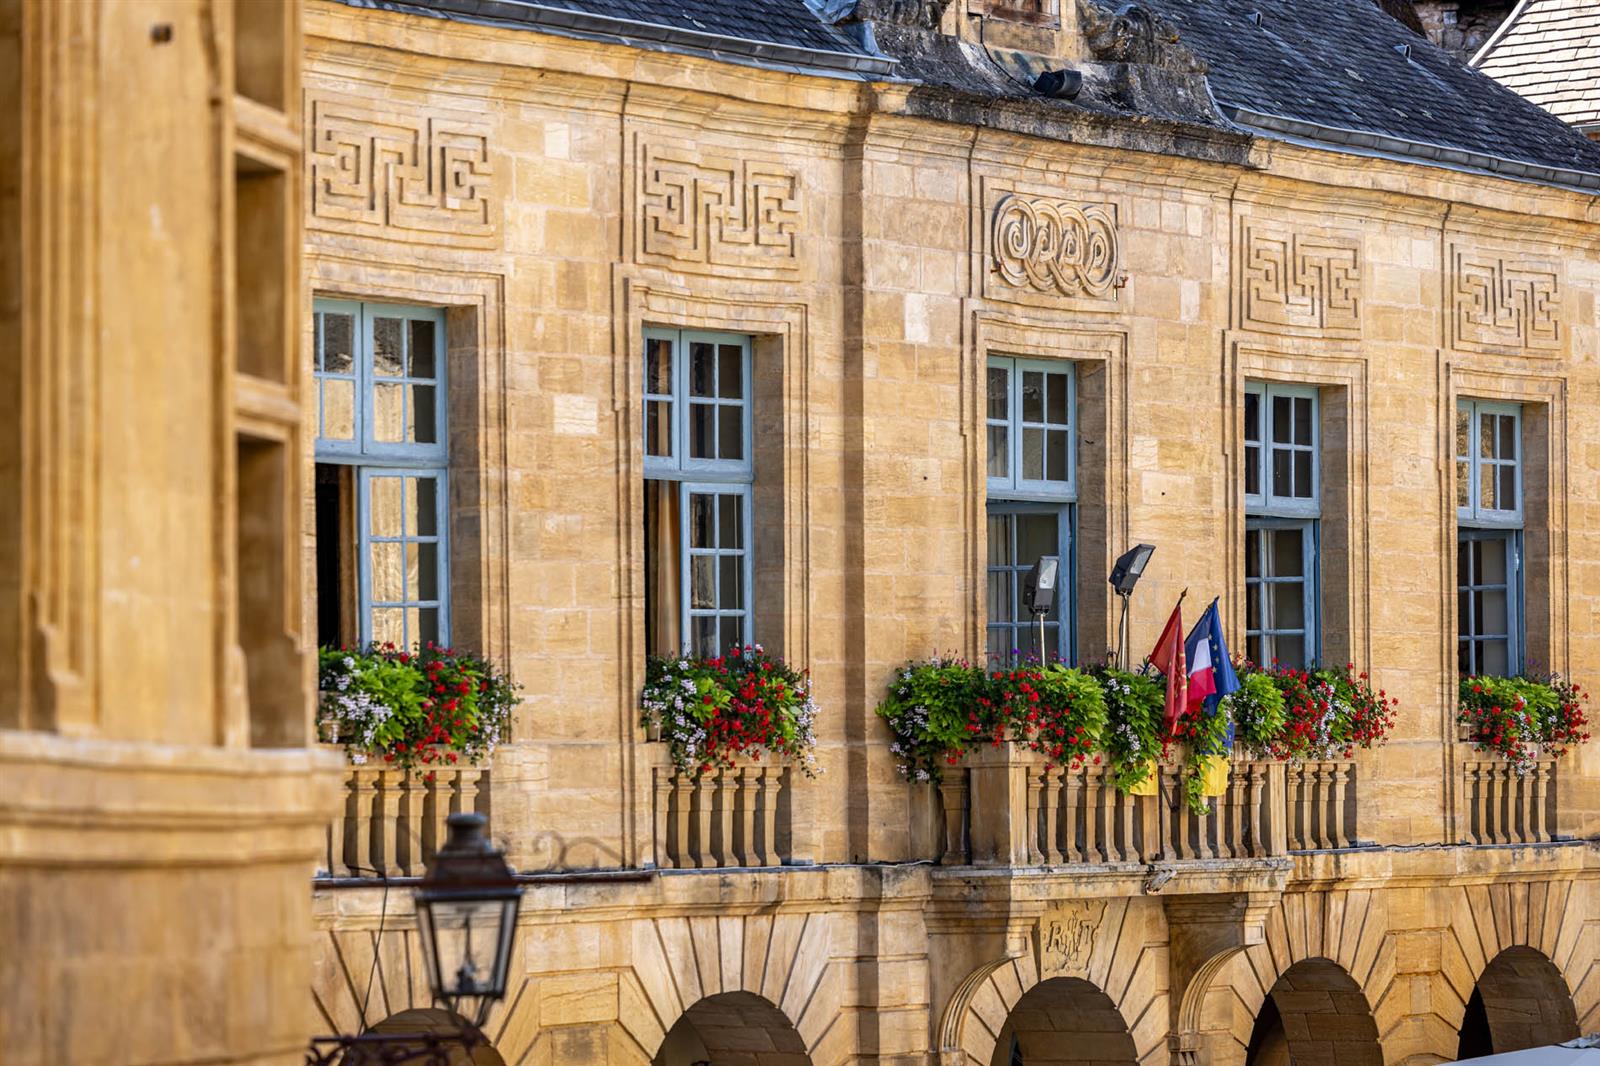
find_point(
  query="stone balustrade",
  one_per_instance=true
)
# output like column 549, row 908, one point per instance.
column 1501, row 806
column 393, row 821
column 1321, row 798
column 1005, row 807
column 734, row 817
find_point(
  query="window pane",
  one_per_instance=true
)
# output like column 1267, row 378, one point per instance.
column 1486, row 436
column 658, row 428
column 1491, row 560
column 427, row 626
column 421, row 347
column 386, row 347
column 387, row 559
column 701, row 520
column 1253, row 649
column 702, row 424
column 703, row 582
column 1303, row 488
column 383, row 499
column 388, row 626
column 1463, row 433
column 1252, row 416
column 658, row 366
column 730, row 520
column 999, row 400
column 1286, row 605
column 1056, row 398
column 1464, row 624
column 702, row 369
column 1464, row 563
column 704, row 641
column 1032, row 396
column 662, row 559
column 1486, row 486
column 1508, row 437
column 424, row 570
column 1282, row 482
column 1507, row 500
column 1056, row 455
column 1282, row 419
column 999, row 540
column 338, row 333
column 1000, row 596
column 1252, row 608
column 1492, row 620
column 1289, row 651
column 1033, row 454
column 1494, row 658
column 1252, row 553
column 1037, row 534
column 1463, row 484
column 422, row 515
column 338, row 409
column 421, row 411
column 730, row 432
column 730, row 594
column 1302, row 420
column 388, row 413
column 1464, row 661
column 1288, row 553
column 999, row 457
column 730, row 372
column 732, row 633
column 1252, row 470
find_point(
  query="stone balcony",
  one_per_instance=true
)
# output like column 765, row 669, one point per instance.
column 392, row 822
column 1499, row 805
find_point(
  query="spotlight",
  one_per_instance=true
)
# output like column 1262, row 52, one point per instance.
column 1125, row 574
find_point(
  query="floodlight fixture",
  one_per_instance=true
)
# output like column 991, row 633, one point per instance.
column 1125, row 574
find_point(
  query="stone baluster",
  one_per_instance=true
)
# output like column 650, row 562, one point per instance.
column 1091, row 817
column 358, row 846
column 1150, row 835
column 1477, row 793
column 953, row 796
column 747, row 812
column 772, row 784
column 725, row 787
column 1238, row 787
column 703, row 809
column 1125, row 817
column 1054, row 794
column 1105, row 793
column 1169, row 789
column 340, row 842
column 1255, row 803
column 1543, row 791
column 1342, row 835
column 408, row 859
column 1292, row 808
column 1035, row 821
column 1072, row 808
column 667, row 841
column 387, row 821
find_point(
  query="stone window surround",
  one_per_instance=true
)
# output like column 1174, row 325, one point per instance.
column 475, row 356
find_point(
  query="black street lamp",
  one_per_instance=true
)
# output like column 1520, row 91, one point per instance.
column 467, row 906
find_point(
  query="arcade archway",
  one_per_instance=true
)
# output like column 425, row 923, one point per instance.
column 1315, row 1012
column 1065, row 1020
column 733, row 1029
column 1520, row 1001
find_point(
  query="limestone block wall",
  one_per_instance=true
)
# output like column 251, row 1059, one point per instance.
column 587, row 191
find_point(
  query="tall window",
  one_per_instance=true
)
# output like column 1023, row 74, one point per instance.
column 698, row 471
column 1032, row 464
column 381, row 486
column 1489, row 547
column 1282, row 480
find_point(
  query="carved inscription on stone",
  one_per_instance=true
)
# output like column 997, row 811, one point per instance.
column 700, row 210
column 1066, row 937
column 429, row 174
column 1500, row 302
column 1300, row 283
column 1056, row 247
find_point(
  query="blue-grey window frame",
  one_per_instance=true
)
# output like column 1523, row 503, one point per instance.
column 1311, row 579
column 368, row 456
column 1015, row 494
column 703, row 475
column 1476, row 522
column 1267, row 510
column 365, row 540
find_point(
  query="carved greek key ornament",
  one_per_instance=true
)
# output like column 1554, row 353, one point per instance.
column 1055, row 247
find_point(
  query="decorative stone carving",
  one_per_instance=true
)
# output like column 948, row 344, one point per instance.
column 1130, row 33
column 1499, row 303
column 1066, row 937
column 428, row 174
column 1299, row 282
column 696, row 210
column 1053, row 246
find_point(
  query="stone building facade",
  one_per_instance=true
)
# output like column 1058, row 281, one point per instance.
column 539, row 207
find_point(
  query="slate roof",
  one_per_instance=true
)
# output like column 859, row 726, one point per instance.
column 1340, row 64
column 1549, row 52
column 787, row 22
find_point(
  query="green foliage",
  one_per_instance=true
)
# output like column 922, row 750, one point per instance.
column 430, row 707
column 713, row 712
column 1522, row 718
column 1257, row 712
column 932, row 708
column 1132, row 737
column 1055, row 710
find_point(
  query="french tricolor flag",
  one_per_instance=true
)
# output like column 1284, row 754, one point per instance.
column 1211, row 675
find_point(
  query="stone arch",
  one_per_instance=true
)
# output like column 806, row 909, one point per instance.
column 1064, row 1020
column 733, row 1029
column 782, row 961
column 434, row 1020
column 1126, row 964
column 1315, row 1013
column 1520, row 1001
column 1348, row 929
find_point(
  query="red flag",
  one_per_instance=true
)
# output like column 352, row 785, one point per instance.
column 1168, row 658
